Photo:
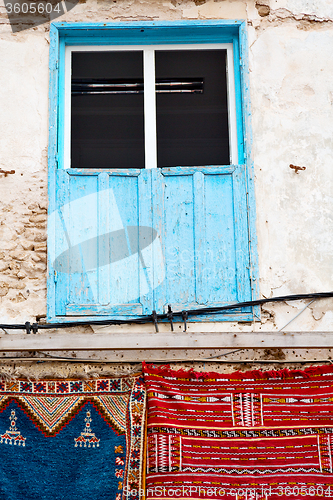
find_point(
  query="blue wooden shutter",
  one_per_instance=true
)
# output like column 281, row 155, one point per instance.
column 202, row 216
column 105, row 243
column 131, row 241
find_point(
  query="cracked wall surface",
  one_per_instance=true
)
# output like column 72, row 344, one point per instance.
column 291, row 68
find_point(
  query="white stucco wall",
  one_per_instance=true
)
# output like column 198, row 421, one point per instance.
column 291, row 68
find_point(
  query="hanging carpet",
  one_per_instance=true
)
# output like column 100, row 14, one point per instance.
column 71, row 439
column 246, row 436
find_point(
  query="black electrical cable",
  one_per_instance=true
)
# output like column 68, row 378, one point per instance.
column 154, row 318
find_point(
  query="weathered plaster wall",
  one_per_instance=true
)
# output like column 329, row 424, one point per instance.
column 23, row 195
column 292, row 106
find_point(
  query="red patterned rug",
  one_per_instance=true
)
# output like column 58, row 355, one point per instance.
column 249, row 436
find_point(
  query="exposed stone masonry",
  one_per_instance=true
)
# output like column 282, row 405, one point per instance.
column 23, row 259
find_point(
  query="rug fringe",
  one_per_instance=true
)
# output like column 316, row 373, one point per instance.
column 283, row 374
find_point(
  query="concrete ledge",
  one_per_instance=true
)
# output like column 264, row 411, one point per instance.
column 60, row 341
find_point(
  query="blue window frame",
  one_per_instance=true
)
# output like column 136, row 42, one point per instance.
column 126, row 240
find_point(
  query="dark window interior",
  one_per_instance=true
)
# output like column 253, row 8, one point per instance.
column 192, row 128
column 107, row 129
column 107, row 110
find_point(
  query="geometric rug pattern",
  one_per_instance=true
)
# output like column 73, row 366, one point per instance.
column 248, row 435
column 72, row 439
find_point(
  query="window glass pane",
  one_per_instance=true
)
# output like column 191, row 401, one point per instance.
column 191, row 107
column 107, row 124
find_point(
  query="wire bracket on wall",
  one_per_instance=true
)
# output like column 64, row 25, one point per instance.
column 170, row 317
column 185, row 318
column 154, row 316
column 6, row 172
column 31, row 327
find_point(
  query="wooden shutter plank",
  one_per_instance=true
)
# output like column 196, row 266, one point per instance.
column 82, row 225
column 202, row 292
column 206, row 169
column 220, row 241
column 61, row 265
column 145, row 251
column 123, row 213
column 158, row 228
column 103, row 269
column 241, row 235
column 178, row 241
